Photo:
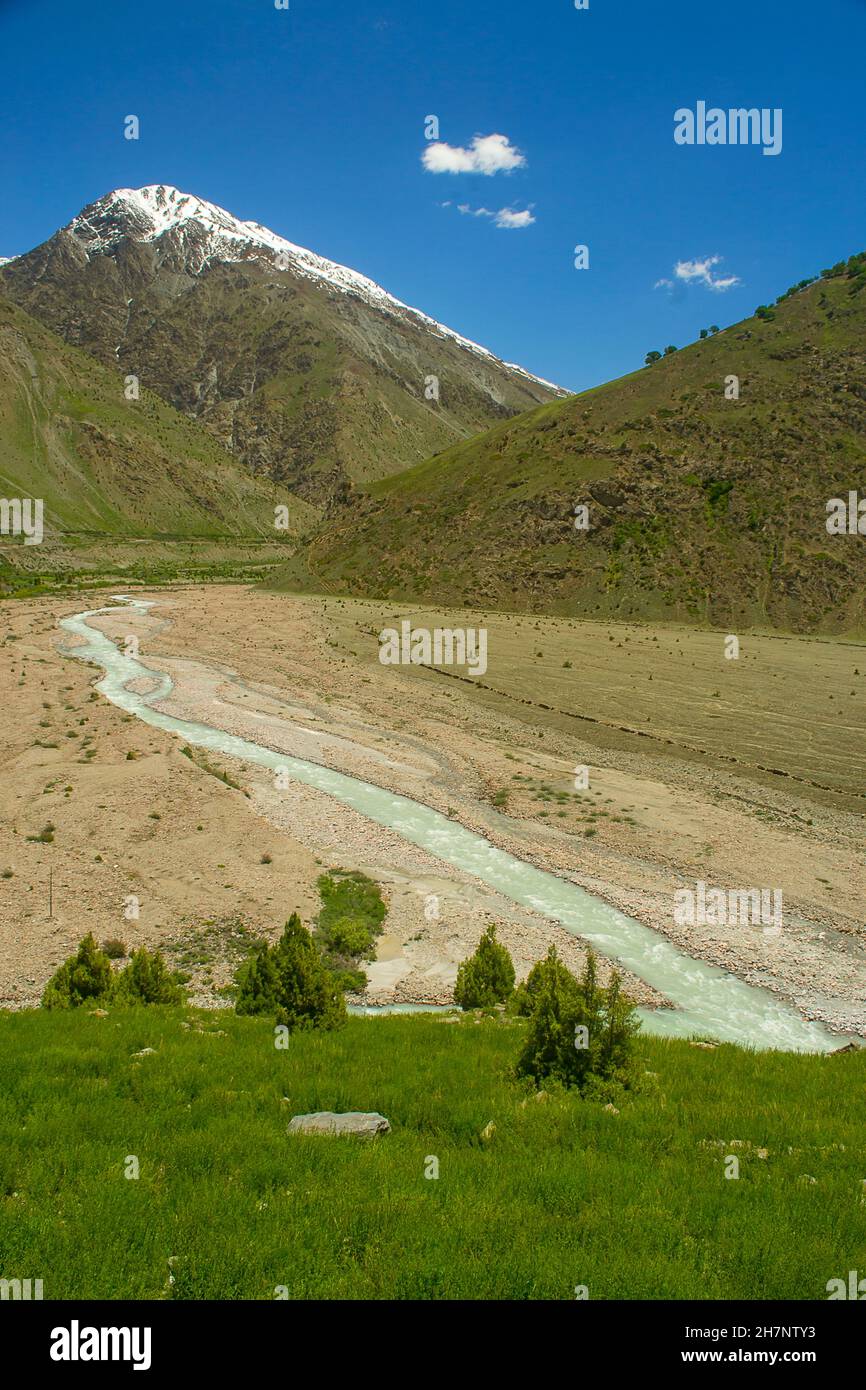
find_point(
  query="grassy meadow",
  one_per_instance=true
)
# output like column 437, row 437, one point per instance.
column 562, row 1193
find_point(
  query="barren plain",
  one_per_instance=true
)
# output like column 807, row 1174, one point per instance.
column 746, row 772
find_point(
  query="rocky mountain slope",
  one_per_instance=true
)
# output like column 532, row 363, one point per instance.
column 304, row 370
column 700, row 505
column 107, row 466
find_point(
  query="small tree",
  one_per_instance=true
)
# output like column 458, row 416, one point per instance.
column 487, row 977
column 146, row 980
column 705, row 332
column 714, row 328
column 291, row 982
column 82, row 979
column 307, row 995
column 551, row 1028
column 652, row 357
column 578, row 1031
column 257, row 982
column 526, row 995
column 622, row 1024
column 669, row 349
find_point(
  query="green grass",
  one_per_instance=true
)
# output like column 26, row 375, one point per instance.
column 633, row 1205
column 203, row 762
column 110, row 468
column 349, row 896
column 93, row 574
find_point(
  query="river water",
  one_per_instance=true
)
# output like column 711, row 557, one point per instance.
column 708, row 1001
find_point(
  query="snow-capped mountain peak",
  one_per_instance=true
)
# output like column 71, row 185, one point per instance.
column 208, row 235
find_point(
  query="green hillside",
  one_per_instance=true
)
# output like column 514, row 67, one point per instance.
column 700, row 507
column 106, row 465
column 632, row 1202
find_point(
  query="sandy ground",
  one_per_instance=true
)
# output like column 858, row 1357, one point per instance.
column 746, row 774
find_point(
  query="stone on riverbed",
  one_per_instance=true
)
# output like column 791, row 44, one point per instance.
column 364, row 1124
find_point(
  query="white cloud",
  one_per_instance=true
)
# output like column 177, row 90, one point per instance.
column 505, row 217
column 488, row 154
column 701, row 272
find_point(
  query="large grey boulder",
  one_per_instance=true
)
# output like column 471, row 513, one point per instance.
column 366, row 1125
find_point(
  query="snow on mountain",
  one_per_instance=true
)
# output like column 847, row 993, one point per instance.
column 210, row 234
column 5, row 260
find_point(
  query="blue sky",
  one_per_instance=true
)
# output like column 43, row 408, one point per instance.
column 311, row 121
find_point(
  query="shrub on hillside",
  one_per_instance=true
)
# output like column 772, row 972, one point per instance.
column 87, row 978
column 291, row 981
column 580, row 1033
column 349, row 898
column 349, row 895
column 347, row 937
column 549, row 967
column 147, row 980
column 307, row 994
column 348, row 924
column 347, row 979
column 257, row 983
column 82, row 979
column 486, row 977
